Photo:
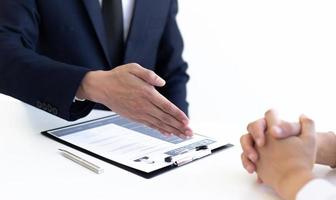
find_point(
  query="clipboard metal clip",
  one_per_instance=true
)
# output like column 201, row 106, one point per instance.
column 189, row 156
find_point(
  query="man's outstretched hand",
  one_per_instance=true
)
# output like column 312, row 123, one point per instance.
column 129, row 90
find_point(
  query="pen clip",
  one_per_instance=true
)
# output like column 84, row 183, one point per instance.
column 194, row 156
column 189, row 156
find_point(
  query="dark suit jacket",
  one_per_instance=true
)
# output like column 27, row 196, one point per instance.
column 47, row 46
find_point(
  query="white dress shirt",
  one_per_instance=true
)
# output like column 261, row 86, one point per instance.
column 128, row 6
column 317, row 189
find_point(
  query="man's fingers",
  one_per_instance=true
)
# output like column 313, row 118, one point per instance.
column 257, row 130
column 272, row 118
column 166, row 106
column 247, row 144
column 308, row 128
column 168, row 129
column 286, row 129
column 273, row 122
column 247, row 164
column 147, row 75
column 170, row 121
column 151, row 125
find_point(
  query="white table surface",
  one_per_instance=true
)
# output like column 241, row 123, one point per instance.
column 32, row 168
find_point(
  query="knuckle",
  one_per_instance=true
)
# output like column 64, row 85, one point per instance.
column 161, row 124
column 128, row 67
column 151, row 75
column 167, row 106
column 254, row 132
column 253, row 127
column 268, row 112
column 148, row 91
column 246, row 143
column 310, row 121
column 243, row 160
column 242, row 138
column 154, row 121
column 243, row 141
column 134, row 65
column 142, row 88
column 261, row 122
column 244, row 146
column 307, row 121
column 166, row 119
column 248, row 127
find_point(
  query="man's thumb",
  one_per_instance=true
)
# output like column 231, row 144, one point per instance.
column 148, row 76
column 285, row 130
column 307, row 127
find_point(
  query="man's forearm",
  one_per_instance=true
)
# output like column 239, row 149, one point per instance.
column 326, row 153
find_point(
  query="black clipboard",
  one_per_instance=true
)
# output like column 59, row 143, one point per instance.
column 49, row 134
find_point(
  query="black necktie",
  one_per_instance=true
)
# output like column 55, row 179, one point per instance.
column 113, row 20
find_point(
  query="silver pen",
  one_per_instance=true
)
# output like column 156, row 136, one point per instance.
column 81, row 161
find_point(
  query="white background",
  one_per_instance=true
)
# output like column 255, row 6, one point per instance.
column 244, row 57
column 247, row 56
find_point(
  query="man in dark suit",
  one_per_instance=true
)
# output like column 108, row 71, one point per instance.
column 69, row 56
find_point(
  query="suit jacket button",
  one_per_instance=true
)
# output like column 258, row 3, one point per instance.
column 49, row 108
column 44, row 106
column 38, row 104
column 54, row 111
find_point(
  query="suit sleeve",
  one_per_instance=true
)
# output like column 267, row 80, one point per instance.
column 29, row 76
column 170, row 64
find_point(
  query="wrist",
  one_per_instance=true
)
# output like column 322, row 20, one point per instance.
column 326, row 151
column 89, row 88
column 333, row 146
column 292, row 181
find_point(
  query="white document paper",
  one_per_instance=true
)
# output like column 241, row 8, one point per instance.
column 130, row 143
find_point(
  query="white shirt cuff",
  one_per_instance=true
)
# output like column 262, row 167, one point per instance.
column 77, row 99
column 317, row 189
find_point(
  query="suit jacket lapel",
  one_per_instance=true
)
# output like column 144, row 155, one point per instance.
column 94, row 12
column 146, row 14
column 137, row 32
